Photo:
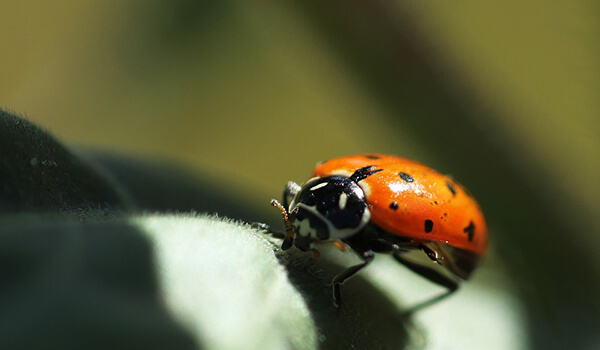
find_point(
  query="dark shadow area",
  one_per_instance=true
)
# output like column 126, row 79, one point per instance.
column 66, row 284
column 383, row 46
column 367, row 319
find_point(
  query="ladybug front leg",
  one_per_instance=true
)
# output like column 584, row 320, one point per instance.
column 338, row 280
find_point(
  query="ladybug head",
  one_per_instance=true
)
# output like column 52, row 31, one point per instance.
column 328, row 208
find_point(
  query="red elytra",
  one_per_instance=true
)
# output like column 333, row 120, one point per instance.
column 412, row 200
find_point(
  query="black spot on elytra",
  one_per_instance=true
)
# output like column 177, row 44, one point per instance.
column 372, row 156
column 451, row 188
column 394, row 205
column 406, row 177
column 428, row 226
column 470, row 230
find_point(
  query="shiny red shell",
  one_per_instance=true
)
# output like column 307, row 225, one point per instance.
column 414, row 201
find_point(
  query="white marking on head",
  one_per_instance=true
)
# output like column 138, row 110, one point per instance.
column 321, row 185
column 343, row 200
column 365, row 187
column 304, row 229
column 334, row 233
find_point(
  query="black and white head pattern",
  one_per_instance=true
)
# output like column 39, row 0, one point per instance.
column 327, row 208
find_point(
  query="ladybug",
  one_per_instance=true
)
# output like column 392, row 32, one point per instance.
column 377, row 203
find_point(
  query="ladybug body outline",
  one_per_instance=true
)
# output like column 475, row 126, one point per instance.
column 376, row 203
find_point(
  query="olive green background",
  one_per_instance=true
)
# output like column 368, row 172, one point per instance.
column 503, row 96
column 257, row 93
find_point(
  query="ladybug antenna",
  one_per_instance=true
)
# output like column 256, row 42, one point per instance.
column 363, row 173
column 289, row 228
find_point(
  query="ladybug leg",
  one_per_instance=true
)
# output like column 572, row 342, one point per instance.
column 316, row 255
column 433, row 276
column 338, row 244
column 338, row 280
column 429, row 273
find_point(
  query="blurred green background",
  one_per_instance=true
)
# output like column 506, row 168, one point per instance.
column 502, row 95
